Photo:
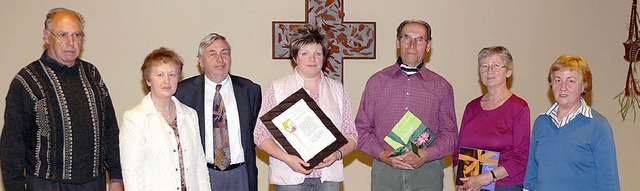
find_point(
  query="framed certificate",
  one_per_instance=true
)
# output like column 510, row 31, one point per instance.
column 301, row 128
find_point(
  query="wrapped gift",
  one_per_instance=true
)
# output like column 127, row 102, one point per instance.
column 472, row 162
column 409, row 134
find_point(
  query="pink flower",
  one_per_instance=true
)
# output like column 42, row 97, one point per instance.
column 422, row 139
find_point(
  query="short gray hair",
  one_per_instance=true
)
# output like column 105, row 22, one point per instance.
column 52, row 13
column 208, row 40
column 421, row 22
column 499, row 51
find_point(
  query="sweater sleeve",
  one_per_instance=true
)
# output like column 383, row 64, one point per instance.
column 12, row 142
column 521, row 140
column 261, row 133
column 112, row 140
column 604, row 150
column 348, row 126
column 531, row 176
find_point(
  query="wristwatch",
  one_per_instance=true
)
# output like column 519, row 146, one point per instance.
column 494, row 176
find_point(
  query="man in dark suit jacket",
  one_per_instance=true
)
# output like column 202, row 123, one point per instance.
column 242, row 99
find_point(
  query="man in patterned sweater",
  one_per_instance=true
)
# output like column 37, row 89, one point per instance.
column 60, row 124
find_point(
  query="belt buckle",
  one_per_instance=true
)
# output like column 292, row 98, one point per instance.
column 230, row 167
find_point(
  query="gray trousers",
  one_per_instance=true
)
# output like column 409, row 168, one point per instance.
column 234, row 179
column 426, row 178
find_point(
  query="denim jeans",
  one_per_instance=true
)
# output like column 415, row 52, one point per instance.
column 310, row 184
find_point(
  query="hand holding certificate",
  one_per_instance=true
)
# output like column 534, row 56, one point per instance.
column 409, row 134
column 302, row 129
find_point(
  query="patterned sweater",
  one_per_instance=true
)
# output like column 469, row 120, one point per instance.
column 60, row 125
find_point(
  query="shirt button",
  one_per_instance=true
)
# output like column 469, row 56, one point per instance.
column 407, row 93
column 176, row 169
column 174, row 150
column 405, row 108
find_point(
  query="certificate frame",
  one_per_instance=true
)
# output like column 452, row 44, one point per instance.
column 301, row 94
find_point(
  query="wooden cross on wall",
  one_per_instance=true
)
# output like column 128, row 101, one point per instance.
column 347, row 40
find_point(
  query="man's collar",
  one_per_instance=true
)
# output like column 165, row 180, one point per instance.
column 399, row 62
column 54, row 63
column 211, row 82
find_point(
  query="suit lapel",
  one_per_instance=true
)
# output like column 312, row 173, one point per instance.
column 243, row 109
column 198, row 99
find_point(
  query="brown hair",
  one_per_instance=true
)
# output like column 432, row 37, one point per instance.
column 160, row 56
column 306, row 35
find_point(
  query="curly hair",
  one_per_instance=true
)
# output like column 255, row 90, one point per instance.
column 160, row 56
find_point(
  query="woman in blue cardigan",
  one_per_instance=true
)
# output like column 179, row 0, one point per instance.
column 572, row 147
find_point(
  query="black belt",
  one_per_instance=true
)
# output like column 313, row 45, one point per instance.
column 230, row 167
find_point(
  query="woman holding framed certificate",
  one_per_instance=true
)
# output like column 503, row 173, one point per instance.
column 308, row 48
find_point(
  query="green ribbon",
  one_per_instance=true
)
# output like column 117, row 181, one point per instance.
column 409, row 144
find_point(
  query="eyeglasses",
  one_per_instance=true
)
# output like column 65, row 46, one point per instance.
column 419, row 40
column 62, row 36
column 493, row 67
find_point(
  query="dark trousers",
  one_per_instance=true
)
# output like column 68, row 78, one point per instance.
column 38, row 184
column 509, row 188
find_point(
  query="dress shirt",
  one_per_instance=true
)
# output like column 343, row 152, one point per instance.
column 390, row 93
column 552, row 112
column 233, row 119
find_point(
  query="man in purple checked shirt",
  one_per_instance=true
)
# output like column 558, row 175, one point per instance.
column 405, row 86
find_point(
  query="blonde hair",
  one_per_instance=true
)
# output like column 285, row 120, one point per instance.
column 573, row 63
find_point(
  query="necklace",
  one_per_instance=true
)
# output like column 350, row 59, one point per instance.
column 170, row 116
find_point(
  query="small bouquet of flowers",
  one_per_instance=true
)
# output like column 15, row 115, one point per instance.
column 409, row 134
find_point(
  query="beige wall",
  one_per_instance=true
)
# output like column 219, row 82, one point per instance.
column 120, row 33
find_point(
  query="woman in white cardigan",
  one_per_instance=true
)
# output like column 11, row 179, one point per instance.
column 160, row 145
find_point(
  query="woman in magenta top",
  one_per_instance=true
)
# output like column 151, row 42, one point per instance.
column 496, row 121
